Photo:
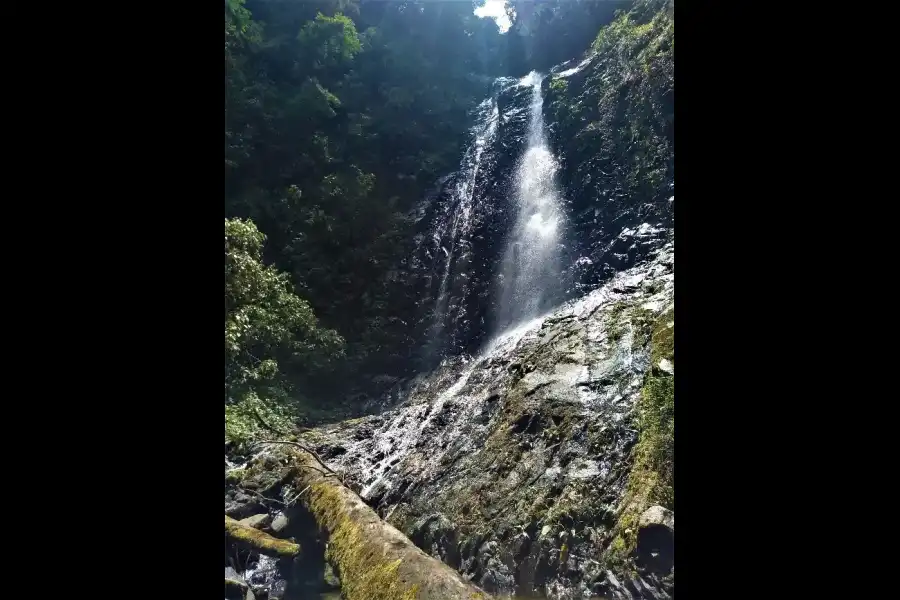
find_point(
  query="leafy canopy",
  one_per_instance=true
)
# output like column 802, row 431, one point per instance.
column 265, row 321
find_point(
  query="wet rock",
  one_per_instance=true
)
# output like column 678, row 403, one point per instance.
column 521, row 546
column 332, row 451
column 436, row 534
column 495, row 575
column 527, row 440
column 276, row 590
column 239, row 510
column 235, row 586
column 363, row 433
column 657, row 515
column 257, row 521
column 279, row 524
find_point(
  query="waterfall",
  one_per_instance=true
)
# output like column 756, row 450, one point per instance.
column 499, row 218
column 484, row 132
column 531, row 268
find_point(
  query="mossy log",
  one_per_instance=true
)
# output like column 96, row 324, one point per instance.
column 374, row 560
column 262, row 542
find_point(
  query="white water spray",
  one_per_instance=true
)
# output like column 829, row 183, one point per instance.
column 530, row 277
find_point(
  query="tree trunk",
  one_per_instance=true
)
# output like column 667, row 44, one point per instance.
column 262, row 542
column 374, row 560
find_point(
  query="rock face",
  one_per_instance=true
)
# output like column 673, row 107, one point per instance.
column 512, row 466
column 612, row 119
column 462, row 230
column 540, row 461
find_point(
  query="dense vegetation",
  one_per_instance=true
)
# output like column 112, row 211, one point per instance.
column 618, row 117
column 339, row 115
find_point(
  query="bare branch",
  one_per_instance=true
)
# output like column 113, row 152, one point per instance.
column 302, row 447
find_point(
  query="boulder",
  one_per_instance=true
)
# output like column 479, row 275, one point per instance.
column 235, row 586
column 257, row 521
column 239, row 510
column 657, row 515
column 279, row 524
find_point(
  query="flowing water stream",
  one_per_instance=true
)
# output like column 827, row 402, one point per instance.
column 530, row 271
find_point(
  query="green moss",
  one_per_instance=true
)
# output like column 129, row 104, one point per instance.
column 618, row 321
column 619, row 119
column 651, row 480
column 559, row 86
column 235, row 475
column 365, row 574
column 263, row 542
column 642, row 321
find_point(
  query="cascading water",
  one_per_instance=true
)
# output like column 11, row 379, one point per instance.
column 499, row 218
column 510, row 460
column 531, row 269
column 479, row 460
column 454, row 257
column 484, row 133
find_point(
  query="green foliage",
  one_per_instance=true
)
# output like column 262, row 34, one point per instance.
column 264, row 320
column 244, row 419
column 621, row 117
column 338, row 117
column 652, row 476
column 332, row 41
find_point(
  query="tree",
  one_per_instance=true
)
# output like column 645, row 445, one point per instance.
column 264, row 320
column 339, row 116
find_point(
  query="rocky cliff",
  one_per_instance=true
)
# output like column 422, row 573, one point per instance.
column 529, row 466
column 538, row 461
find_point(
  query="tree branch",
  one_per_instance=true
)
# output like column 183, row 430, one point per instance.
column 302, row 447
column 264, row 423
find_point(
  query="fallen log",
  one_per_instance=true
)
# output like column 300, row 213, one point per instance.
column 373, row 560
column 262, row 542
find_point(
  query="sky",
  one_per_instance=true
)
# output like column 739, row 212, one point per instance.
column 496, row 10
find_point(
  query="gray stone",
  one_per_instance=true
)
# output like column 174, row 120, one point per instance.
column 235, row 586
column 238, row 510
column 257, row 521
column 279, row 524
column 657, row 515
